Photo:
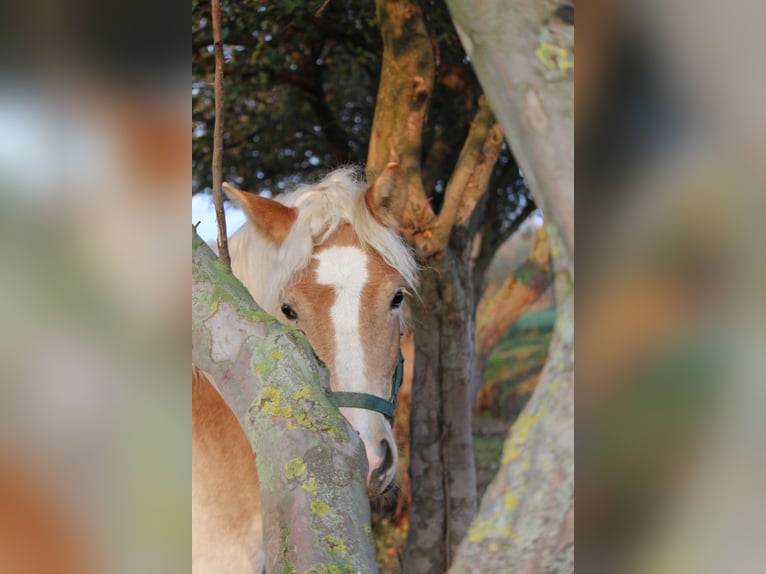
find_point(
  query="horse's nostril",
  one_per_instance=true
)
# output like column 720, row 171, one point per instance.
column 388, row 457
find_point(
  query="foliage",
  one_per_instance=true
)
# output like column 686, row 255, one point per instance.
column 300, row 87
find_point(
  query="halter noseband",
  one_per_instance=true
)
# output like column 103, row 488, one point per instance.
column 371, row 402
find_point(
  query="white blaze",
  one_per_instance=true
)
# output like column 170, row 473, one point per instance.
column 345, row 269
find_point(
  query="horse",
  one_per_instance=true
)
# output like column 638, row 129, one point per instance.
column 328, row 260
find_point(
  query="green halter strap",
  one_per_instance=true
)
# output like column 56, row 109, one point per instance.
column 371, row 402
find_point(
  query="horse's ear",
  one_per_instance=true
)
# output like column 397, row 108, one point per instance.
column 387, row 197
column 270, row 217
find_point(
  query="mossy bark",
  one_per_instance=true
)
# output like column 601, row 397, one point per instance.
column 311, row 464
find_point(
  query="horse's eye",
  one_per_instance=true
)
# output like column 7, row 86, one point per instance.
column 396, row 302
column 289, row 312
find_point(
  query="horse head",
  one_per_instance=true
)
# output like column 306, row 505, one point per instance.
column 327, row 259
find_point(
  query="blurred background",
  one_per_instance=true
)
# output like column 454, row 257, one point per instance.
column 670, row 163
column 95, row 172
column 95, row 159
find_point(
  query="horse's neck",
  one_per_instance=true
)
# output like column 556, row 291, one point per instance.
column 251, row 261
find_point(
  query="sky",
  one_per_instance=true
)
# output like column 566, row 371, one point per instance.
column 203, row 211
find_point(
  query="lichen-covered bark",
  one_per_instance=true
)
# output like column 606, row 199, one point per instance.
column 311, row 465
column 526, row 518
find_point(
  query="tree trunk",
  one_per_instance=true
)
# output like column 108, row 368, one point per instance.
column 441, row 454
column 526, row 519
column 311, row 464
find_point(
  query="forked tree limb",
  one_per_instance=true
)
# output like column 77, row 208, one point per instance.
column 311, row 464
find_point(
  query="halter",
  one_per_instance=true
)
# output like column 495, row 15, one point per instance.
column 372, row 402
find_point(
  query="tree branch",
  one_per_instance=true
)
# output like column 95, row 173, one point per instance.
column 220, row 214
column 404, row 93
column 311, row 464
column 471, row 174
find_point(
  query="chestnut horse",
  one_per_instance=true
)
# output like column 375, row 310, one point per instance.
column 328, row 260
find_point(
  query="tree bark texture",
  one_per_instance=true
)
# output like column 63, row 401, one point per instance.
column 442, row 470
column 311, row 464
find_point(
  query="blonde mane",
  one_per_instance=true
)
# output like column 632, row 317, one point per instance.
column 322, row 207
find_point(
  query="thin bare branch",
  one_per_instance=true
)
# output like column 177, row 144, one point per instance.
column 220, row 215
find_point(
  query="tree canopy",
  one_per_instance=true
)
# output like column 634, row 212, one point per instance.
column 300, row 89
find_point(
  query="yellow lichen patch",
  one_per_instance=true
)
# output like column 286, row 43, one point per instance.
column 320, row 507
column 553, row 57
column 366, row 528
column 520, row 433
column 304, row 393
column 334, row 544
column 484, row 529
column 525, row 464
column 259, row 368
column 276, row 354
column 493, row 547
column 270, row 398
column 214, row 306
column 323, row 569
column 511, row 501
column 479, row 531
column 304, row 421
column 295, row 468
column 280, row 411
column 310, row 485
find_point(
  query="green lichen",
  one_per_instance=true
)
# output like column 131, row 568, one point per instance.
column 270, row 399
column 511, row 501
column 303, row 421
column 320, row 507
column 303, row 393
column 521, row 430
column 553, row 57
column 334, row 545
column 284, row 412
column 310, row 485
column 276, row 354
column 295, row 468
column 323, row 569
